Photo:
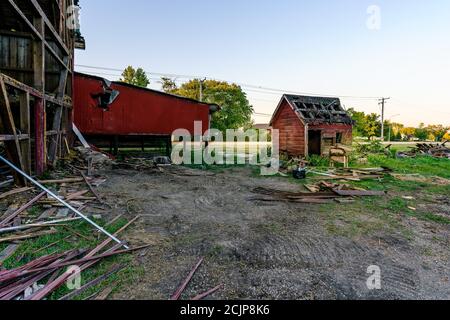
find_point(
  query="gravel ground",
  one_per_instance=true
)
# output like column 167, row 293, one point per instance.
column 265, row 250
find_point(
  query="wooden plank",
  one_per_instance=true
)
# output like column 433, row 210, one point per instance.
column 39, row 137
column 13, row 192
column 13, row 147
column 207, row 293
column 68, row 180
column 104, row 294
column 39, row 225
column 91, row 188
column 21, row 209
column 57, row 120
column 33, row 92
column 39, row 55
column 359, row 193
column 27, row 236
column 8, row 252
column 9, row 137
column 182, row 287
column 92, row 283
column 25, row 128
column 93, row 258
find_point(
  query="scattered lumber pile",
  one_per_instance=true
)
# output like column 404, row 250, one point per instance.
column 352, row 174
column 33, row 215
column 177, row 294
column 436, row 151
column 44, row 212
column 321, row 193
column 39, row 278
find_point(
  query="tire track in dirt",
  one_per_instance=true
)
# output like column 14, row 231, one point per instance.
column 301, row 250
column 342, row 262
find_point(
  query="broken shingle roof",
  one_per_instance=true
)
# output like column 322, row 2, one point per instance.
column 317, row 110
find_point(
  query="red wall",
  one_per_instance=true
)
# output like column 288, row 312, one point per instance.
column 291, row 129
column 134, row 112
column 332, row 129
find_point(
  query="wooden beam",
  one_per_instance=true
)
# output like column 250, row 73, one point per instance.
column 33, row 92
column 39, row 106
column 9, row 137
column 56, row 126
column 12, row 147
column 25, row 128
column 39, row 136
column 39, row 56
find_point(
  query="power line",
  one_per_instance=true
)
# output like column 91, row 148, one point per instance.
column 261, row 89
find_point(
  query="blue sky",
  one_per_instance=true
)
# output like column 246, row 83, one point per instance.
column 322, row 47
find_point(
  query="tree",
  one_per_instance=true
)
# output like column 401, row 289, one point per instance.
column 236, row 111
column 373, row 125
column 421, row 132
column 447, row 136
column 368, row 126
column 135, row 77
column 360, row 122
column 168, row 85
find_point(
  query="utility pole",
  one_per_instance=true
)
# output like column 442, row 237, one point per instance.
column 383, row 104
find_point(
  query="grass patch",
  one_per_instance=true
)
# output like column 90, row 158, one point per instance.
column 423, row 165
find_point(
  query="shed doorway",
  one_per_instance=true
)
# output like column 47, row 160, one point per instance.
column 315, row 142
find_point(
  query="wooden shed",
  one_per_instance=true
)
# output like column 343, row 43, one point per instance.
column 311, row 125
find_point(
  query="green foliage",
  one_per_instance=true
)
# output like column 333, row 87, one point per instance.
column 236, row 111
column 318, row 161
column 369, row 125
column 365, row 125
column 373, row 147
column 135, row 77
column 168, row 85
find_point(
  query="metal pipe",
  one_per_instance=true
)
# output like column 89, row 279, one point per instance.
column 63, row 202
column 37, row 225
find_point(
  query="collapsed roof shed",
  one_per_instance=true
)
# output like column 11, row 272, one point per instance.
column 311, row 125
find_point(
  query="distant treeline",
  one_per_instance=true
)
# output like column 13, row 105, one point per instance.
column 369, row 126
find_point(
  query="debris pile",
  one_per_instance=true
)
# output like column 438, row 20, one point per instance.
column 35, row 215
column 322, row 193
column 436, row 151
column 39, row 278
column 137, row 164
column 93, row 158
column 25, row 220
column 352, row 174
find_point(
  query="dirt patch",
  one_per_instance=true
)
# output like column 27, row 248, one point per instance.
column 266, row 250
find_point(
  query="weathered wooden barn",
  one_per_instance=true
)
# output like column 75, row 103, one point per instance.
column 311, row 125
column 116, row 114
column 37, row 41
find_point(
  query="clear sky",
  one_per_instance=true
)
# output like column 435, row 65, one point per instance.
column 322, row 47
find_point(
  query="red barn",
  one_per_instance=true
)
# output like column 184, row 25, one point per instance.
column 116, row 114
column 311, row 125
